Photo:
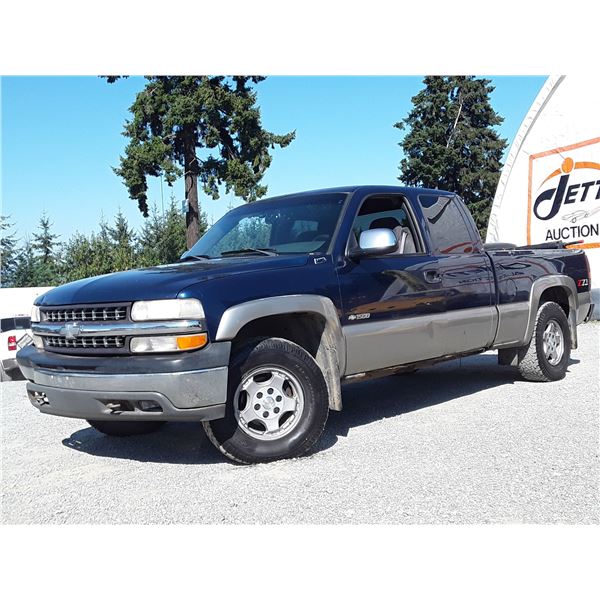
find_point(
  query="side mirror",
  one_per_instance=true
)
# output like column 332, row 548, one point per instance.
column 375, row 242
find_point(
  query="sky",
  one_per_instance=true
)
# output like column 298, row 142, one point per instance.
column 61, row 136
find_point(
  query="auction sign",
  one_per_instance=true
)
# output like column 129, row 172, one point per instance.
column 564, row 195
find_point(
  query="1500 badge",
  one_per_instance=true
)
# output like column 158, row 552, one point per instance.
column 359, row 316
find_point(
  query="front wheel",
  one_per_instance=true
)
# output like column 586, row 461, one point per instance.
column 126, row 428
column 277, row 404
column 547, row 355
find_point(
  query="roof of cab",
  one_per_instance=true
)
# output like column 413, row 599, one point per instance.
column 366, row 189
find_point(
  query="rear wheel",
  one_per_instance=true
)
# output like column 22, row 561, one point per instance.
column 126, row 428
column 277, row 403
column 547, row 355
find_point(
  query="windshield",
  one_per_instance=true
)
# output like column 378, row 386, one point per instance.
column 292, row 225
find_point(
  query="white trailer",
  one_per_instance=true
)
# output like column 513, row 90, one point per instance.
column 15, row 332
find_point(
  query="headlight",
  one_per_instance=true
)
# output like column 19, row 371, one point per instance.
column 169, row 343
column 35, row 314
column 161, row 310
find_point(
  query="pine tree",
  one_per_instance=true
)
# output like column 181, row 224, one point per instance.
column 79, row 258
column 452, row 144
column 173, row 243
column 8, row 252
column 102, row 250
column 96, row 254
column 162, row 238
column 26, row 268
column 202, row 128
column 150, row 237
column 46, row 246
column 124, row 244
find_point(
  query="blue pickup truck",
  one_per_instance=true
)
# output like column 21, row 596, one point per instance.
column 254, row 329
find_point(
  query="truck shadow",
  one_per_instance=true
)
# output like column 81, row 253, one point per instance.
column 372, row 400
column 175, row 443
column 364, row 402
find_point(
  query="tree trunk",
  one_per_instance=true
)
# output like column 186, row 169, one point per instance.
column 455, row 124
column 191, row 194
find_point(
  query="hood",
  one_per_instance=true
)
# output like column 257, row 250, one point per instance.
column 162, row 282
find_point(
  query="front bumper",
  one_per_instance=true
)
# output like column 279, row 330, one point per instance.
column 121, row 406
column 84, row 389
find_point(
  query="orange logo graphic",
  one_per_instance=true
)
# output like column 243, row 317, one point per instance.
column 568, row 165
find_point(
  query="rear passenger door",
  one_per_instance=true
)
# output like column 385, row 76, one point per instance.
column 463, row 271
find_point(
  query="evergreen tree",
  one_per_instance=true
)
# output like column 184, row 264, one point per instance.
column 79, row 258
column 47, row 266
column 173, row 241
column 162, row 239
column 8, row 252
column 102, row 248
column 96, row 254
column 452, row 144
column 150, row 237
column 26, row 268
column 124, row 242
column 204, row 128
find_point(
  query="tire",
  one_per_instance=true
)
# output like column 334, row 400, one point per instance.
column 547, row 362
column 126, row 428
column 3, row 375
column 277, row 404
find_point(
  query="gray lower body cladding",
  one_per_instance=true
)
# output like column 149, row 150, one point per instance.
column 124, row 406
column 135, row 391
column 387, row 343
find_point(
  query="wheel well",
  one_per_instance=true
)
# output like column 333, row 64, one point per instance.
column 558, row 295
column 304, row 329
column 308, row 330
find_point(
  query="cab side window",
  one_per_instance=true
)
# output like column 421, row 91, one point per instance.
column 447, row 227
column 388, row 213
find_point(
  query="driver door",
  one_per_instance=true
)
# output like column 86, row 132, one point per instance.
column 393, row 304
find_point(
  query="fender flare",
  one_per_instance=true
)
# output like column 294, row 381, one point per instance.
column 538, row 288
column 332, row 353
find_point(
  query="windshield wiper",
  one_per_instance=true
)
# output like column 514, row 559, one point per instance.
column 264, row 251
column 194, row 257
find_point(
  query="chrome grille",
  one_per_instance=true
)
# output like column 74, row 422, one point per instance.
column 92, row 343
column 84, row 313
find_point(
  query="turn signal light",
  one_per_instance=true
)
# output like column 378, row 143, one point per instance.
column 191, row 342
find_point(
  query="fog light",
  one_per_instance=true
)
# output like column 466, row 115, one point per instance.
column 169, row 343
column 38, row 342
column 149, row 406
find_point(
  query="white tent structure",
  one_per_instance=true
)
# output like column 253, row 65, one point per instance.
column 549, row 188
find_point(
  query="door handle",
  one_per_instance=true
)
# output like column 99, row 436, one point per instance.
column 432, row 277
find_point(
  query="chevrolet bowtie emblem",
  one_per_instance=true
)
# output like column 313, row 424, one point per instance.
column 70, row 330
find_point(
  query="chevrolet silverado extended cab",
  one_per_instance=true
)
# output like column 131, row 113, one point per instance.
column 254, row 329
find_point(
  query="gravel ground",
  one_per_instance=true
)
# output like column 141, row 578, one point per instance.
column 463, row 442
